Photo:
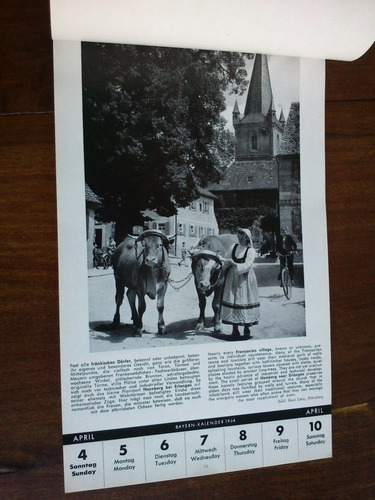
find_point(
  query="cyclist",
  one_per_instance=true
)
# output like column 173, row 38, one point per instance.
column 285, row 246
column 111, row 244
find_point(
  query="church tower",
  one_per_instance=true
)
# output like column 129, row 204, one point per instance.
column 258, row 132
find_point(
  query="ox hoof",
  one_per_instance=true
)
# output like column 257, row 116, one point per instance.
column 218, row 329
column 162, row 330
column 137, row 331
column 199, row 327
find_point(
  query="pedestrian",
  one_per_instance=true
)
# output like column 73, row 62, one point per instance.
column 285, row 246
column 240, row 302
column 183, row 255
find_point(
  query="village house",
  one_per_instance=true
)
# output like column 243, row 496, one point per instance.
column 97, row 233
column 190, row 224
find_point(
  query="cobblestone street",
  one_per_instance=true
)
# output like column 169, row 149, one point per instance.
column 279, row 317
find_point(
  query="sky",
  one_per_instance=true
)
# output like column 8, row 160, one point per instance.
column 284, row 75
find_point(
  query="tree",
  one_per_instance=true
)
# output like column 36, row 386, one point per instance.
column 231, row 218
column 152, row 127
column 270, row 224
column 224, row 148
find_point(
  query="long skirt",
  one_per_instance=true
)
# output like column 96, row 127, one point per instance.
column 240, row 304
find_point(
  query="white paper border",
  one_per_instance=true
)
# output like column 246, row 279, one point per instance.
column 73, row 257
column 326, row 29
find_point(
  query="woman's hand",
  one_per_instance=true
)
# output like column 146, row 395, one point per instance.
column 226, row 262
column 223, row 260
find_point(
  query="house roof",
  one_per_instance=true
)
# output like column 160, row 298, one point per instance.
column 290, row 141
column 206, row 193
column 151, row 214
column 91, row 197
column 248, row 175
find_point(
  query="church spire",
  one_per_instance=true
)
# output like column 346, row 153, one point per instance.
column 259, row 97
column 272, row 107
column 236, row 113
column 258, row 132
column 282, row 119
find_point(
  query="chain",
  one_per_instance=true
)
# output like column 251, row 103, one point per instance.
column 185, row 280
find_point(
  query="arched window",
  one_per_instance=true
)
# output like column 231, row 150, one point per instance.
column 278, row 142
column 254, row 141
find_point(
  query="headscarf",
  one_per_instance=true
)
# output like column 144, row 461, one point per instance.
column 247, row 232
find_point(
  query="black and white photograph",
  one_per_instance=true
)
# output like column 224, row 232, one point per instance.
column 193, row 196
column 194, row 211
column 191, row 181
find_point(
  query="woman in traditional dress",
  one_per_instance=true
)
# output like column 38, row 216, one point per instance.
column 240, row 303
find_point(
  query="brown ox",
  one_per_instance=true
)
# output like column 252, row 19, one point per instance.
column 209, row 274
column 142, row 266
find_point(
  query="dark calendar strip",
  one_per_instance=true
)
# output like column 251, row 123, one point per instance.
column 196, row 448
column 191, row 425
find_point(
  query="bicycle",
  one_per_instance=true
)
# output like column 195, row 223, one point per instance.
column 100, row 258
column 286, row 281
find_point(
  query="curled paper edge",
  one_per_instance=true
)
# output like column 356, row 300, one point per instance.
column 338, row 29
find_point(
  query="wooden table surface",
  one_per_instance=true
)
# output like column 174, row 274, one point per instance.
column 31, row 450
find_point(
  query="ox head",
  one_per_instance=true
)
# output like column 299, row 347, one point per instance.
column 207, row 270
column 152, row 243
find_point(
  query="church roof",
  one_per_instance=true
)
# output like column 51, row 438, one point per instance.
column 290, row 141
column 259, row 97
column 236, row 108
column 248, row 175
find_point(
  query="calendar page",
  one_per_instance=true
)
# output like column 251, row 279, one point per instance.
column 194, row 297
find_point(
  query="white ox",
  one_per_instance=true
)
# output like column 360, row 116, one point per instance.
column 209, row 274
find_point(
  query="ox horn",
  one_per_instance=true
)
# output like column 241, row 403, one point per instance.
column 171, row 238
